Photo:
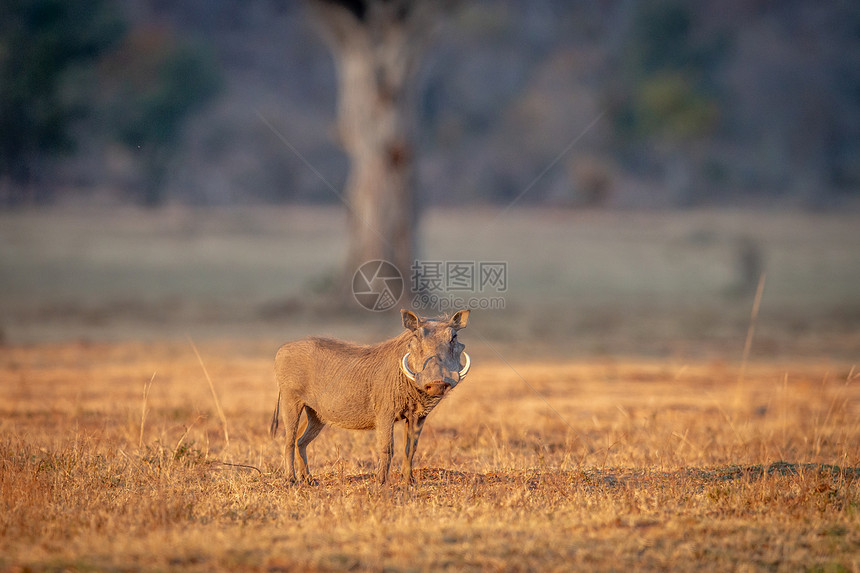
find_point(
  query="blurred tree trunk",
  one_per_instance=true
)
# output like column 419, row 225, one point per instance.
column 376, row 45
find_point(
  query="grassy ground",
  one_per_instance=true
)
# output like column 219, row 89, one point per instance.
column 609, row 422
column 599, row 465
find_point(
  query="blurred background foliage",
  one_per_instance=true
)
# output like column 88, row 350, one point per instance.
column 151, row 84
column 153, row 102
column 47, row 49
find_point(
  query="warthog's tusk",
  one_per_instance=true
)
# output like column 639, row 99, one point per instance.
column 465, row 369
column 405, row 367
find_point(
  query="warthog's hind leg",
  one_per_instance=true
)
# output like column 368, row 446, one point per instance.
column 312, row 430
column 291, row 412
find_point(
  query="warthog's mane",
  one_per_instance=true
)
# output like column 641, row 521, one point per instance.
column 380, row 360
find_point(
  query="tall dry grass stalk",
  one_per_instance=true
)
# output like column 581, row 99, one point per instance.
column 214, row 394
column 759, row 291
column 146, row 387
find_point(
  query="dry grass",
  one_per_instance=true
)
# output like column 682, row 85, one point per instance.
column 591, row 465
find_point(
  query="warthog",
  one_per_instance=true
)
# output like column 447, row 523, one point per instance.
column 368, row 387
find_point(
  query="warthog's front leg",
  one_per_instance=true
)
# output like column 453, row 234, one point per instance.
column 413, row 432
column 384, row 445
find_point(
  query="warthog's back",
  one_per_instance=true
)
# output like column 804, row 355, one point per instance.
column 341, row 382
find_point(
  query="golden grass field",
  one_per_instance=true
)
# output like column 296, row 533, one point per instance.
column 624, row 431
column 586, row 465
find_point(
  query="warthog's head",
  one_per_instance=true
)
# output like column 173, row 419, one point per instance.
column 433, row 359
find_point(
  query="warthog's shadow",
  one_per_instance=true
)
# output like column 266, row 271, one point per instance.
column 612, row 478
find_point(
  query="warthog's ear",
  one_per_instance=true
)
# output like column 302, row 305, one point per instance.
column 460, row 320
column 410, row 321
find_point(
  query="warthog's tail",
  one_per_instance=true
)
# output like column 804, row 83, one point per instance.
column 276, row 418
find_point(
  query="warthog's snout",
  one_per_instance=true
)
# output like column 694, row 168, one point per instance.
column 435, row 379
column 437, row 388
